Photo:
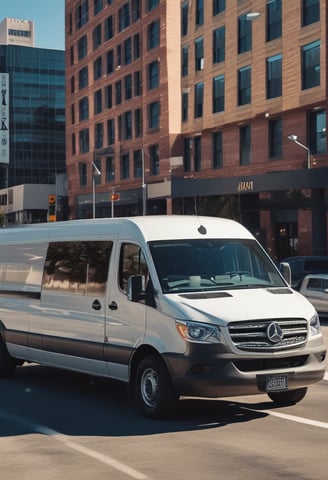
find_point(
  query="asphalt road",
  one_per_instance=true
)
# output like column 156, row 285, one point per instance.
column 61, row 425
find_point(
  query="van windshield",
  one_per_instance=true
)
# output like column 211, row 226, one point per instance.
column 206, row 265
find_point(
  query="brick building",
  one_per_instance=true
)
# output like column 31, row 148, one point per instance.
column 215, row 107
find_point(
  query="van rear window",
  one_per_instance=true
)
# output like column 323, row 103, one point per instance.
column 77, row 267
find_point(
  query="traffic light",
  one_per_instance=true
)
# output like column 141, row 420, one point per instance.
column 52, row 208
column 115, row 196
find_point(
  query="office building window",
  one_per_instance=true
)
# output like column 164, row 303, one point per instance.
column 199, row 100
column 245, row 145
column 244, row 34
column 275, row 138
column 128, row 51
column 137, row 163
column 274, row 20
column 151, row 4
column 125, row 166
column 153, row 115
column 81, row 14
column 197, row 153
column 109, row 28
column 153, row 35
column 72, row 113
column 110, row 61
column 109, row 96
column 218, row 6
column 199, row 12
column 274, row 76
column 72, row 84
column 244, row 85
column 97, row 68
column 126, row 123
column 317, row 131
column 96, row 37
column 118, row 55
column 138, row 124
column 219, row 45
column 187, row 149
column 154, row 159
column 97, row 104
column 110, row 131
column 311, row 65
column 310, row 12
column 83, row 174
column 110, row 169
column 98, row 6
column 99, row 135
column 83, row 77
column 124, row 17
column 153, row 75
column 84, row 109
column 199, row 54
column 82, row 47
column 136, row 46
column 73, row 144
column 84, row 140
column 184, row 18
column 185, row 101
column 217, row 150
column 137, row 83
column 128, row 87
column 118, row 92
column 72, row 55
column 135, row 10
column 185, row 61
column 218, row 94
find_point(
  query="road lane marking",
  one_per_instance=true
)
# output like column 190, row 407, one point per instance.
column 292, row 418
column 121, row 467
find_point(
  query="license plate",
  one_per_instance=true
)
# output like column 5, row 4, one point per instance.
column 276, row 383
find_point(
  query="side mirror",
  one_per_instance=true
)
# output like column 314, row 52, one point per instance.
column 285, row 271
column 136, row 288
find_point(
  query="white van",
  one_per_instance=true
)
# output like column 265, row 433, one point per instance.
column 172, row 305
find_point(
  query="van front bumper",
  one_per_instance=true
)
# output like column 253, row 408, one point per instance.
column 217, row 375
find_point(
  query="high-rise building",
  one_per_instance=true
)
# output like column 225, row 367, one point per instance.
column 216, row 107
column 32, row 134
column 17, row 32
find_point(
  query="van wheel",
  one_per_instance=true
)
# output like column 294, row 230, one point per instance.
column 154, row 391
column 288, row 398
column 7, row 363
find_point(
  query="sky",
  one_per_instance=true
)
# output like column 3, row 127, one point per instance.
column 48, row 17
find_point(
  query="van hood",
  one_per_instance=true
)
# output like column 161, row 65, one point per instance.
column 222, row 307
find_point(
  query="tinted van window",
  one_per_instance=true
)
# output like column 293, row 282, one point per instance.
column 77, row 267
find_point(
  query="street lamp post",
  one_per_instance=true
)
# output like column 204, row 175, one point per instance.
column 293, row 138
column 95, row 173
column 144, row 191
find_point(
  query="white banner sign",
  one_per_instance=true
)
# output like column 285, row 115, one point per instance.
column 4, row 118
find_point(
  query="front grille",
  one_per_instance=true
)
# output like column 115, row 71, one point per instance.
column 252, row 335
column 270, row 363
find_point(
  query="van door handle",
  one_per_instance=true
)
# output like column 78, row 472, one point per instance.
column 96, row 305
column 113, row 306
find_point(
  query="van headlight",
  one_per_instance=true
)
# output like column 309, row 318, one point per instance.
column 198, row 332
column 315, row 325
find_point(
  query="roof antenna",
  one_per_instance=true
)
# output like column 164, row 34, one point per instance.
column 201, row 229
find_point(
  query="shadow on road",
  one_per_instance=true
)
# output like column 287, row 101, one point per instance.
column 79, row 405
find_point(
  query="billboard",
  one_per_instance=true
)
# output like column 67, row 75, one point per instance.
column 4, row 118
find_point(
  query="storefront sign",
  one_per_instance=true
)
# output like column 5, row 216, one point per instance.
column 4, row 121
column 245, row 186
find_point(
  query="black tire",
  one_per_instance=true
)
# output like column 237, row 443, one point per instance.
column 154, row 392
column 7, row 363
column 289, row 397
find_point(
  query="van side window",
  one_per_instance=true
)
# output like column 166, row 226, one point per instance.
column 132, row 262
column 77, row 267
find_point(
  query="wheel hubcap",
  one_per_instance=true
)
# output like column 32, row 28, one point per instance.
column 149, row 387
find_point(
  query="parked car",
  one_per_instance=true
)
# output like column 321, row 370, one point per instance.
column 302, row 266
column 315, row 289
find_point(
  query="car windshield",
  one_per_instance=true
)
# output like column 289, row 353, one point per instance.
column 206, row 265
